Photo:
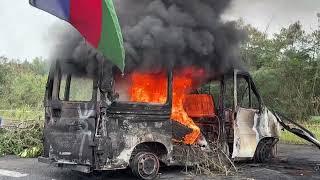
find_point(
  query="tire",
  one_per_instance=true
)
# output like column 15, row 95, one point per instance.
column 264, row 152
column 145, row 165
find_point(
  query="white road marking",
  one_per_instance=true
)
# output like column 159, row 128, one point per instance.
column 12, row 173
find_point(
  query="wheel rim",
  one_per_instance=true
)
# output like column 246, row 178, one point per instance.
column 148, row 165
column 266, row 153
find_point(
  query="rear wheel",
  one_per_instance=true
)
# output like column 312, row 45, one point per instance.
column 145, row 165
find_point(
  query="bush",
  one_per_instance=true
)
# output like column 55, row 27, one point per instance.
column 24, row 140
column 22, row 114
column 286, row 68
column 22, row 84
column 287, row 88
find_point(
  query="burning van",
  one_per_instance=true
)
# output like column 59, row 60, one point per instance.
column 98, row 119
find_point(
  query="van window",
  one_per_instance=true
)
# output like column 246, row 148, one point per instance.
column 243, row 89
column 213, row 88
column 62, row 90
column 229, row 93
column 73, row 88
column 142, row 88
column 254, row 101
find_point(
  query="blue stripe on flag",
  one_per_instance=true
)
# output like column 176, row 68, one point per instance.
column 59, row 8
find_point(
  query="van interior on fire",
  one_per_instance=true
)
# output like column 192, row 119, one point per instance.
column 97, row 119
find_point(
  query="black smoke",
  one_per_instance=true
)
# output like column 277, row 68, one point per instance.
column 162, row 33
column 74, row 54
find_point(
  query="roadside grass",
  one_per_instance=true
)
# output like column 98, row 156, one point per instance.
column 21, row 134
column 22, row 114
column 313, row 125
column 315, row 120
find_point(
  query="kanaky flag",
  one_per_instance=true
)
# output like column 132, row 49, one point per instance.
column 96, row 20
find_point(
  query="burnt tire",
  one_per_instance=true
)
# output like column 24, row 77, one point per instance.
column 145, row 165
column 265, row 151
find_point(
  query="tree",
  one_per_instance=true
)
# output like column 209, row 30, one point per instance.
column 284, row 67
column 22, row 84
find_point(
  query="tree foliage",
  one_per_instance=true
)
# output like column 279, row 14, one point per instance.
column 22, row 83
column 286, row 68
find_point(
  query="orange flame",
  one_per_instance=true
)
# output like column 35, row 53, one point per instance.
column 152, row 88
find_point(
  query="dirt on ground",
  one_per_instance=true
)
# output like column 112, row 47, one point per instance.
column 292, row 162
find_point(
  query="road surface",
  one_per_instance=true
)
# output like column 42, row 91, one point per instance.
column 293, row 162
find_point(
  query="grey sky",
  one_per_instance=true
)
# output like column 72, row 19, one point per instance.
column 25, row 31
column 277, row 13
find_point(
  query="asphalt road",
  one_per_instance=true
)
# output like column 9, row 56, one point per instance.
column 293, row 162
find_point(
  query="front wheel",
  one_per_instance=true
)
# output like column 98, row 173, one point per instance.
column 145, row 165
column 265, row 151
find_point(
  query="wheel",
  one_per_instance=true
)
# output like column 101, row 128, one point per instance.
column 264, row 152
column 145, row 165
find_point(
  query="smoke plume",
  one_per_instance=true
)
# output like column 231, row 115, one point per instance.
column 164, row 33
column 74, row 54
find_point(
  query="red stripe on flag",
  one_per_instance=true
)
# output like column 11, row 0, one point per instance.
column 86, row 17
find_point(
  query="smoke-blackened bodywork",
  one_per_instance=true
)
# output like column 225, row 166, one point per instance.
column 97, row 133
column 125, row 128
column 69, row 125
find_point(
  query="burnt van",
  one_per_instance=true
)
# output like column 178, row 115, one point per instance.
column 97, row 119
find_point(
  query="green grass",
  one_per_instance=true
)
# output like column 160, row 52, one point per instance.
column 22, row 135
column 22, row 114
column 315, row 120
column 289, row 138
column 24, row 141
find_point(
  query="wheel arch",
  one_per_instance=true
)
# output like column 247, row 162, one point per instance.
column 155, row 147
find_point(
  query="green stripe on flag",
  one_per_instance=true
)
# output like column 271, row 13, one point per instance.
column 111, row 41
